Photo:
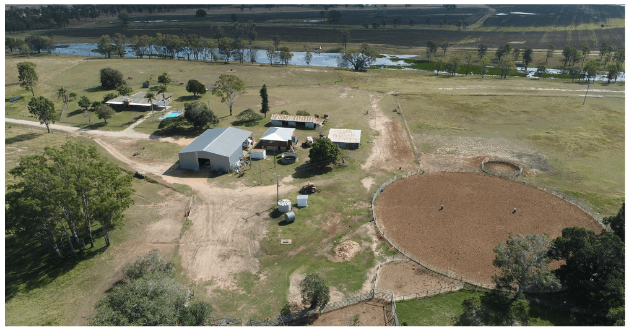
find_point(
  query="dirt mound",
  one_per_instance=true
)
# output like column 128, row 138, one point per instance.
column 346, row 251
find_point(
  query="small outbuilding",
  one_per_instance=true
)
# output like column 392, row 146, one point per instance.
column 296, row 121
column 217, row 149
column 345, row 138
column 258, row 154
column 302, row 200
column 277, row 139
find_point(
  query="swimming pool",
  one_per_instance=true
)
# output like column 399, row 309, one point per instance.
column 171, row 114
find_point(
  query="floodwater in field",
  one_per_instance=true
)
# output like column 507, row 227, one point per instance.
column 299, row 58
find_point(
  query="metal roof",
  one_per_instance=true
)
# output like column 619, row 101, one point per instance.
column 278, row 134
column 296, row 118
column 345, row 136
column 138, row 99
column 220, row 141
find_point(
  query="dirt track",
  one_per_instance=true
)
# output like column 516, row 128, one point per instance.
column 477, row 216
column 409, row 277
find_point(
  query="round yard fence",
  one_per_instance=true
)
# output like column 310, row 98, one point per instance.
column 450, row 222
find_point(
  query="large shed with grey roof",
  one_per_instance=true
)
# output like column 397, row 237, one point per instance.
column 218, row 149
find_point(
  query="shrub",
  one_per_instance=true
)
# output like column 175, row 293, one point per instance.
column 108, row 97
column 111, row 78
column 324, row 150
column 302, row 113
column 284, row 112
column 147, row 264
column 314, row 291
column 195, row 314
column 199, row 115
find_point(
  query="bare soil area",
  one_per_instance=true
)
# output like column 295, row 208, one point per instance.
column 477, row 216
column 409, row 277
column 500, row 167
column 346, row 251
column 371, row 313
column 367, row 182
column 391, row 149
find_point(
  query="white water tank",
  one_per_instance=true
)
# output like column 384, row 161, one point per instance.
column 284, row 205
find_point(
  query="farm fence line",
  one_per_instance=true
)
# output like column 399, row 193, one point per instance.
column 413, row 257
column 390, row 310
column 507, row 174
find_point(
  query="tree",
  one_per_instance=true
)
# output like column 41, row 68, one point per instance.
column 469, row 59
column 594, row 268
column 516, row 53
column 228, row 88
column 494, row 308
column 111, row 78
column 411, row 20
column 125, row 18
column 73, row 95
column 150, row 97
column 161, row 90
column 151, row 300
column 84, row 102
column 11, row 43
column 540, row 71
column 226, row 48
column 481, row 51
column 366, row 25
column 276, row 42
column 44, row 110
column 591, row 68
column 24, row 49
column 485, row 63
column 570, row 55
column 104, row 112
column 108, row 97
column 524, row 262
column 500, row 52
column 119, row 41
column 620, row 56
column 396, row 21
column 27, row 75
column 248, row 117
column 196, row 314
column 217, row 31
column 506, row 67
column 104, row 46
column 250, row 29
column 164, row 79
column 265, row 100
column 285, row 55
column 201, row 13
column 195, row 87
column 617, row 223
column 314, row 290
column 308, row 57
column 612, row 72
column 527, row 55
column 453, row 65
column 88, row 114
column 550, row 49
column 198, row 114
column 124, row 90
column 432, row 47
column 324, row 151
column 585, row 51
column 271, row 55
column 344, row 36
column 334, row 16
column 360, row 59
column 444, row 46
column 234, row 18
column 69, row 188
column 439, row 65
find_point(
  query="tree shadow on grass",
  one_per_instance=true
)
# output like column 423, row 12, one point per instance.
column 179, row 132
column 28, row 267
column 75, row 112
column 92, row 126
column 95, row 89
column 134, row 120
column 187, row 98
column 22, row 137
column 306, row 170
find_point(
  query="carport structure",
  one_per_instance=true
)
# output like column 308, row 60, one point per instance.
column 218, row 149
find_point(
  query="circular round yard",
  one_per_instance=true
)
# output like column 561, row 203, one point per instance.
column 478, row 214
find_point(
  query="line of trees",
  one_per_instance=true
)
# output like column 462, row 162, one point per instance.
column 63, row 194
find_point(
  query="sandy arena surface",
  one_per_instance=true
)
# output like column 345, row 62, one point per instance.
column 477, row 216
column 409, row 277
column 371, row 313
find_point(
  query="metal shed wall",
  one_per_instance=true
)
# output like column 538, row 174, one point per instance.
column 188, row 160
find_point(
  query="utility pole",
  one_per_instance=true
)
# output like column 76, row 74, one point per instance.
column 277, row 188
column 274, row 158
column 587, row 86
